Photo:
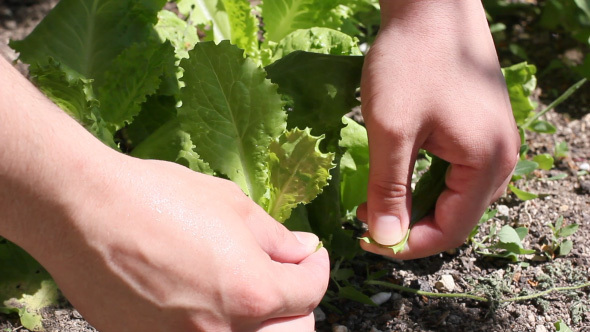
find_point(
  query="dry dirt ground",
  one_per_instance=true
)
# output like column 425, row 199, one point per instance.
column 468, row 271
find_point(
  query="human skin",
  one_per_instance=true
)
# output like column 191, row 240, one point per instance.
column 139, row 245
column 432, row 81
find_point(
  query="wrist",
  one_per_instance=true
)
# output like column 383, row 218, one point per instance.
column 47, row 161
column 443, row 13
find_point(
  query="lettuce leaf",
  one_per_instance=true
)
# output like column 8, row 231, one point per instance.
column 232, row 113
column 231, row 20
column 323, row 94
column 281, row 17
column 316, row 40
column 299, row 171
column 521, row 82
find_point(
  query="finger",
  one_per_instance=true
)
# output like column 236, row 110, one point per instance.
column 289, row 324
column 300, row 287
column 392, row 156
column 459, row 207
column 361, row 212
column 277, row 241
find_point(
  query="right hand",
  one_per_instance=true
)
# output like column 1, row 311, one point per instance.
column 156, row 247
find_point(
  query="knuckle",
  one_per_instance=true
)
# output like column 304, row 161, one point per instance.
column 255, row 301
column 389, row 191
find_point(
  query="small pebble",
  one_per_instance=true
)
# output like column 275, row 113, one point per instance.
column 10, row 25
column 61, row 312
column 76, row 314
column 374, row 329
column 381, row 298
column 339, row 328
column 503, row 210
column 531, row 318
column 540, row 328
column 319, row 314
column 445, row 284
column 585, row 167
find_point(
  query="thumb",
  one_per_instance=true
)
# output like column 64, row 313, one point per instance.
column 389, row 193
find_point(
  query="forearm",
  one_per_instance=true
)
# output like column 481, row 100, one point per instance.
column 43, row 164
column 433, row 23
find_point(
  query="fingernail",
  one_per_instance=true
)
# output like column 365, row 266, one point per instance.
column 386, row 230
column 309, row 240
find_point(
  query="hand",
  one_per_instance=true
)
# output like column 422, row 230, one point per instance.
column 157, row 247
column 432, row 81
column 141, row 245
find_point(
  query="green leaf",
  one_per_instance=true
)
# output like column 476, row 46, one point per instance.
column 298, row 172
column 281, row 17
column 182, row 35
column 171, row 143
column 556, row 177
column 351, row 293
column 134, row 75
column 25, row 287
column 521, row 81
column 316, row 40
column 74, row 95
column 87, row 36
column 510, row 240
column 244, row 25
column 155, row 112
column 560, row 326
column 354, row 165
column 323, row 95
column 543, row 127
column 521, row 194
column 298, row 221
column 232, row 113
column 561, row 150
column 522, row 232
column 525, row 167
column 507, row 234
column 544, row 160
column 203, row 12
column 71, row 93
column 567, row 230
column 566, row 247
column 231, row 20
column 559, row 223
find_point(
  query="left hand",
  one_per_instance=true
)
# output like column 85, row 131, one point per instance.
column 432, row 80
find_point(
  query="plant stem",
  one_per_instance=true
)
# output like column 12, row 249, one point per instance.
column 474, row 297
column 419, row 292
column 556, row 102
column 545, row 292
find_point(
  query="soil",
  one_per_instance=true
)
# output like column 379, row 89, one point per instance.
column 468, row 270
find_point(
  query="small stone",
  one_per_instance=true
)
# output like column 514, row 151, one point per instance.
column 531, row 318
column 564, row 208
column 374, row 329
column 61, row 312
column 319, row 314
column 445, row 284
column 584, row 167
column 585, row 186
column 76, row 314
column 381, row 298
column 10, row 25
column 503, row 210
column 540, row 328
column 396, row 297
column 339, row 328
